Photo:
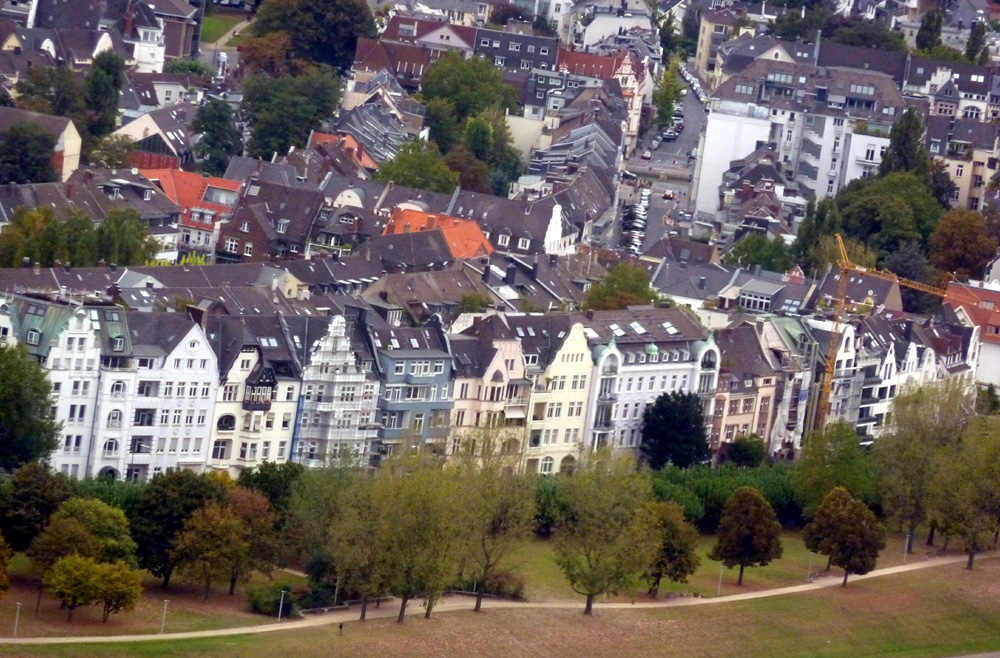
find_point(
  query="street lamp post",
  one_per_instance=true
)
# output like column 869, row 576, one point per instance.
column 163, row 620
column 722, row 569
column 281, row 604
column 17, row 618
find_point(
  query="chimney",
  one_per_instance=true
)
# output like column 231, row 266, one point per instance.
column 68, row 268
column 113, row 267
column 511, row 274
column 129, row 20
column 701, row 282
column 747, row 193
column 102, row 263
column 590, row 314
column 819, row 36
column 485, row 262
column 70, row 190
column 37, row 268
column 534, row 269
column 25, row 262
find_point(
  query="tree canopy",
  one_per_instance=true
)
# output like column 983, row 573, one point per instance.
column 749, row 534
column 830, row 459
column 469, row 85
column 673, row 431
column 220, row 140
column 961, row 244
column 27, row 432
column 678, row 551
column 26, row 151
column 667, row 93
column 625, row 285
column 756, row 250
column 322, row 31
column 283, row 111
column 420, row 165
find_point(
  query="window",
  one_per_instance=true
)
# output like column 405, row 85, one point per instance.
column 33, row 337
column 400, row 368
column 245, row 227
column 498, row 60
column 232, row 245
column 484, row 43
column 503, row 240
column 516, row 47
column 744, row 89
column 282, row 226
column 229, row 392
column 219, row 449
column 543, row 51
column 115, row 419
column 959, row 170
column 418, row 422
column 547, row 465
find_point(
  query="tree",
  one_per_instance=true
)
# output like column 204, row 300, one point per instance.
column 122, row 238
column 75, row 581
column 419, row 165
column 906, row 150
column 282, row 112
column 830, row 459
column 321, row 31
column 607, row 533
column 37, row 493
column 748, row 451
column 669, row 41
column 961, row 244
column 62, row 537
column 102, row 90
column 965, row 499
column 473, row 302
column 6, row 555
column 500, row 512
column 26, row 152
column 929, row 34
column 678, row 551
column 625, row 285
column 667, row 93
column 119, row 588
column 271, row 54
column 470, row 85
column 508, row 11
column 425, row 533
column 856, row 543
column 108, row 527
column 53, row 90
column 826, row 519
column 473, row 174
column 976, row 42
column 220, row 140
column 673, row 431
column 259, row 543
column 213, row 540
column 923, row 423
column 164, row 507
column 276, row 481
column 479, row 138
column 27, row 432
column 188, row 65
column 864, row 33
column 756, row 250
column 910, row 262
column 442, row 124
column 749, row 534
column 112, row 152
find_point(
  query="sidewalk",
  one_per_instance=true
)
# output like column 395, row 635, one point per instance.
column 462, row 603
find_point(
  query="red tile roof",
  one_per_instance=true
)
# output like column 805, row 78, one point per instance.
column 595, row 66
column 464, row 237
column 187, row 190
column 981, row 304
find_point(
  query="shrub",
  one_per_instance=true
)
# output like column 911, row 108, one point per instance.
column 265, row 599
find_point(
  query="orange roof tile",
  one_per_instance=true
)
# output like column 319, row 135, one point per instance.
column 187, row 190
column 464, row 237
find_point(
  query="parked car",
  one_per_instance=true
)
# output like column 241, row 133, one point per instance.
column 670, row 135
column 647, row 155
column 655, row 143
column 669, row 194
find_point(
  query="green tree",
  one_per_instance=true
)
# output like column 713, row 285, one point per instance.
column 212, row 540
column 747, row 451
column 607, row 535
column 282, row 112
column 107, row 525
column 929, row 34
column 924, row 422
column 625, row 285
column 673, row 431
column 26, row 151
column 423, row 515
column 473, row 302
column 961, row 244
column 102, row 90
column 678, row 551
column 470, row 85
column 53, row 90
column 756, row 250
column 906, row 150
column 976, row 42
column 122, row 238
column 965, row 498
column 669, row 41
column 119, row 588
column 479, row 138
column 749, row 534
column 500, row 512
column 6, row 555
column 62, row 537
column 442, row 124
column 112, row 152
column 276, row 481
column 188, row 65
column 75, row 581
column 826, row 519
column 27, row 431
column 667, row 93
column 830, row 459
column 865, row 33
column 419, row 165
column 322, row 31
column 164, row 507
column 220, row 140
column 123, row 494
column 259, row 541
column 856, row 541
column 38, row 492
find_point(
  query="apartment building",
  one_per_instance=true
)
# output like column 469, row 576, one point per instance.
column 746, row 392
column 968, row 148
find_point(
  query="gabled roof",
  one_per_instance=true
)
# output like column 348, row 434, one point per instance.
column 742, row 353
column 464, row 237
column 595, row 66
column 188, row 190
column 53, row 125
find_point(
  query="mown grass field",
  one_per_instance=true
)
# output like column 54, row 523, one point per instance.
column 942, row 611
column 214, row 27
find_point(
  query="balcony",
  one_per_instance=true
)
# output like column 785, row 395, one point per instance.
column 604, row 424
column 811, row 149
column 607, row 396
column 609, row 370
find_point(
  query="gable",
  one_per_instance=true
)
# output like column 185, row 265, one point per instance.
column 444, row 36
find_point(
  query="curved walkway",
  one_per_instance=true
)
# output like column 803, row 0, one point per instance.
column 455, row 604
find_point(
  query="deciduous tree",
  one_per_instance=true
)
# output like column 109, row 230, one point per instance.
column 276, row 481
column 961, row 244
column 75, row 581
column 825, row 520
column 283, row 111
column 119, row 588
column 321, row 31
column 607, row 534
column 38, row 492
column 757, row 250
column 929, row 34
column 26, row 151
column 259, row 540
column 213, row 540
column 673, row 431
column 470, row 85
column 5, row 557
column 106, row 525
column 748, row 451
column 220, row 140
column 667, row 93
column 27, row 432
column 749, row 534
column 419, row 165
column 112, row 152
column 102, row 90
column 830, row 459
column 625, row 285
column 473, row 174
column 678, row 554
column 906, row 150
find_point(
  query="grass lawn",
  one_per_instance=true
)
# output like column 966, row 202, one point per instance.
column 214, row 27
column 545, row 581
column 932, row 613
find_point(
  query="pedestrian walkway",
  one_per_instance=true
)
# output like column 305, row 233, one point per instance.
column 220, row 43
column 463, row 603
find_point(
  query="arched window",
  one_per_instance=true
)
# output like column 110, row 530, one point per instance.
column 111, row 447
column 567, row 465
column 708, row 361
column 226, row 423
column 115, row 419
column 118, row 390
column 547, row 464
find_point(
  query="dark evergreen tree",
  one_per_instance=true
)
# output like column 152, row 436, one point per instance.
column 673, row 431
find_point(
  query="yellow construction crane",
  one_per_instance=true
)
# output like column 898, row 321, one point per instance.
column 845, row 265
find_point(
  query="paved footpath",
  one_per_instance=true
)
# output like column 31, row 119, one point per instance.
column 452, row 604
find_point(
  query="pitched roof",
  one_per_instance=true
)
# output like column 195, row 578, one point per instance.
column 464, row 237
column 189, row 191
column 53, row 125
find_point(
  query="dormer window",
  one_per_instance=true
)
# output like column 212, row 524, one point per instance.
column 33, row 337
column 245, row 227
column 147, row 195
column 117, row 344
column 282, row 226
